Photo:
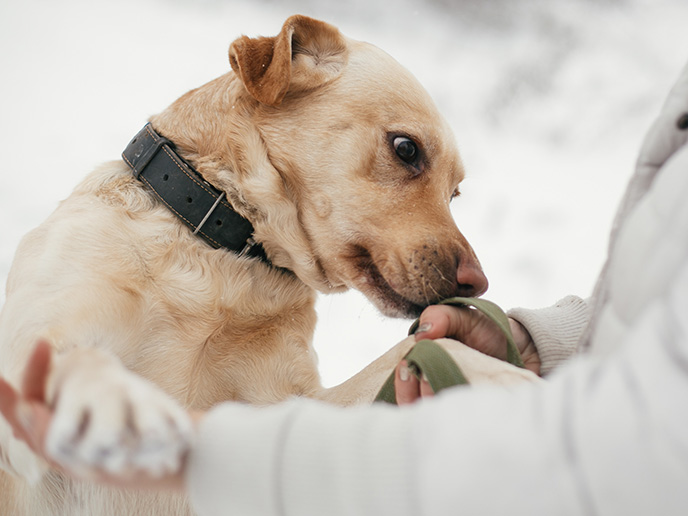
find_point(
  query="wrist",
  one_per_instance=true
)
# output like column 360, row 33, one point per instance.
column 526, row 346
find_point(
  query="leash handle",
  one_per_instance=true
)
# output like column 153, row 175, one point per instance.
column 429, row 359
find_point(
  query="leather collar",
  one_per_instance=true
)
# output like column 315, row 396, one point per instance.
column 197, row 203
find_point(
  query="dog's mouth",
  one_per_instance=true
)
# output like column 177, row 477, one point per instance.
column 373, row 284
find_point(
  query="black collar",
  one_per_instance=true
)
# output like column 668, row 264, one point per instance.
column 196, row 202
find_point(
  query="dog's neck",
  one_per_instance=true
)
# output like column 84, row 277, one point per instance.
column 215, row 128
column 196, row 202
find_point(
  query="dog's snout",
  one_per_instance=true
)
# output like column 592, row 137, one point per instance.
column 471, row 280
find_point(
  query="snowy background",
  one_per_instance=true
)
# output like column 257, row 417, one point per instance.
column 549, row 101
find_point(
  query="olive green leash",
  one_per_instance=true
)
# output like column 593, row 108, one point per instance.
column 428, row 359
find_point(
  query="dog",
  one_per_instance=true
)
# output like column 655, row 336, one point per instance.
column 317, row 164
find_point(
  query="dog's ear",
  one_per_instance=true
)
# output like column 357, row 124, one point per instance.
column 307, row 53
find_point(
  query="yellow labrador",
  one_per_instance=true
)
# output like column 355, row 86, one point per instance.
column 317, row 164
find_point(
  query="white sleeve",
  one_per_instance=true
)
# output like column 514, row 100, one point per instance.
column 603, row 436
column 302, row 457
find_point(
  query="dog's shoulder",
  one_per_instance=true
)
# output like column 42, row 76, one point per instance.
column 113, row 184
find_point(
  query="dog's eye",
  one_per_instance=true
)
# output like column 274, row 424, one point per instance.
column 455, row 194
column 406, row 149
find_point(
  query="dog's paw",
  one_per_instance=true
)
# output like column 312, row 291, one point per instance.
column 109, row 419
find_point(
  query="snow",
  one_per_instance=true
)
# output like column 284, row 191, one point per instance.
column 549, row 102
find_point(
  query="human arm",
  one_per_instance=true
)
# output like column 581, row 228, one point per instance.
column 603, row 436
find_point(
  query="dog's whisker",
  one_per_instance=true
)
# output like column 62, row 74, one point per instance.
column 437, row 294
column 441, row 274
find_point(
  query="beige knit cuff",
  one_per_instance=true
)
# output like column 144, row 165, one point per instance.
column 555, row 330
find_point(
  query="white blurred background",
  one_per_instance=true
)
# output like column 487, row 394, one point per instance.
column 549, row 101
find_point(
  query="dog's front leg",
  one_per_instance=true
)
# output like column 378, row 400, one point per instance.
column 476, row 366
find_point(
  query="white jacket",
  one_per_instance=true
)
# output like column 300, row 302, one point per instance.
column 607, row 434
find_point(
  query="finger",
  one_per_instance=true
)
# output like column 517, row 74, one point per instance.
column 406, row 385
column 14, row 412
column 8, row 402
column 439, row 321
column 425, row 389
column 36, row 373
column 29, row 421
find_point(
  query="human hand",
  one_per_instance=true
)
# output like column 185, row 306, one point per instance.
column 26, row 410
column 476, row 330
column 471, row 327
column 32, row 418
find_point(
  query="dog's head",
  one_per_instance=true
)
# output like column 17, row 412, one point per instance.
column 344, row 165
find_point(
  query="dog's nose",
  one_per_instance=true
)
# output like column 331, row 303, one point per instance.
column 472, row 282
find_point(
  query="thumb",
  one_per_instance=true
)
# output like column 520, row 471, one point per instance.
column 36, row 373
column 8, row 401
column 439, row 321
column 19, row 414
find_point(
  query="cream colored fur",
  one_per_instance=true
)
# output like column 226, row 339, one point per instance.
column 298, row 136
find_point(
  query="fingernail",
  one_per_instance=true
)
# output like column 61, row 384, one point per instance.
column 24, row 416
column 404, row 373
column 425, row 378
column 426, row 326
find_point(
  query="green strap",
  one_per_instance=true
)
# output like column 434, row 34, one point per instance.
column 430, row 359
